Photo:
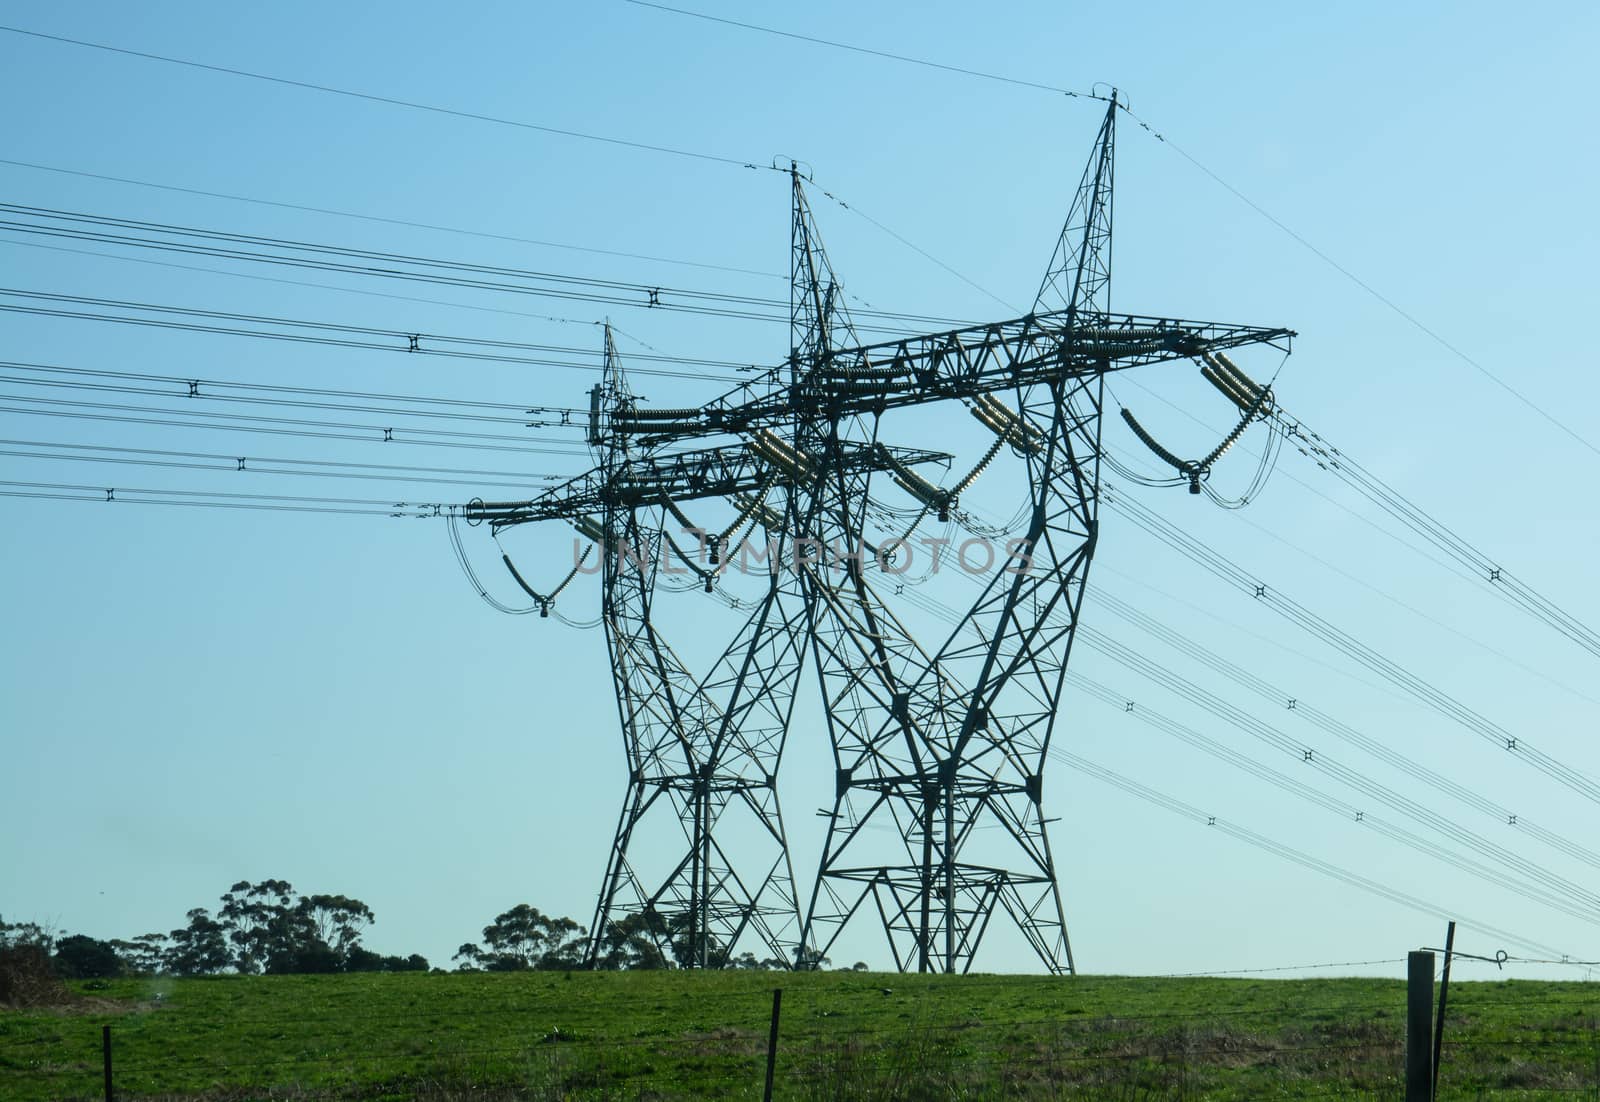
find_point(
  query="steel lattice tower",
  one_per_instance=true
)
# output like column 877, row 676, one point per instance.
column 703, row 753
column 939, row 745
column 933, row 744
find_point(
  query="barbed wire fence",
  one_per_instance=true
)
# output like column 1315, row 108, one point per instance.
column 883, row 1037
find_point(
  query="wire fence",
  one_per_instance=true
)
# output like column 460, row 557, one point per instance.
column 548, row 1035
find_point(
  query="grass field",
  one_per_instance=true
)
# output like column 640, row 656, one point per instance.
column 676, row 1035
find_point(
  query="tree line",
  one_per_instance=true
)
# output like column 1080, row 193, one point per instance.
column 269, row 928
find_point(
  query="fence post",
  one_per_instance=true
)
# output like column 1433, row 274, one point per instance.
column 772, row 1043
column 1419, row 1026
column 105, row 1054
column 1444, row 994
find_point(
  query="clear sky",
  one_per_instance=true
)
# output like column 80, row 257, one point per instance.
column 192, row 696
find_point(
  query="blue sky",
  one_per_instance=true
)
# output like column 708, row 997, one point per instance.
column 192, row 696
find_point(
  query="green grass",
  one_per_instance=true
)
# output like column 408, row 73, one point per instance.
column 680, row 1035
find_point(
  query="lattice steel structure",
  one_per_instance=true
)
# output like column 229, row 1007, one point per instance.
column 932, row 742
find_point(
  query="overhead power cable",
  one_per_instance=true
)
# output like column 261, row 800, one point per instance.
column 1302, row 617
column 1472, row 796
column 1342, row 809
column 1241, row 721
column 408, row 223
column 470, row 275
column 386, row 435
column 1480, row 566
column 1278, row 849
column 244, row 464
column 128, row 495
column 257, row 277
column 324, row 333
column 190, row 391
column 191, row 384
column 904, row 58
column 391, row 101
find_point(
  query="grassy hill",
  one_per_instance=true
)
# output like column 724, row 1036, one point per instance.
column 643, row 1035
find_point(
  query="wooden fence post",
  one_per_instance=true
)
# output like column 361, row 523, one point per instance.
column 1419, row 1026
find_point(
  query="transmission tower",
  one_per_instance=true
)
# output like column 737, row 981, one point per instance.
column 933, row 744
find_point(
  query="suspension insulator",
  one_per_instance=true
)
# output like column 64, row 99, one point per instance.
column 767, row 446
column 750, row 507
column 590, row 529
column 1228, row 390
column 1007, row 424
column 921, row 489
column 1239, row 377
column 1150, row 442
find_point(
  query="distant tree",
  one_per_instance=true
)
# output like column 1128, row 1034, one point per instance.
column 364, row 960
column 631, row 943
column 860, row 966
column 145, row 955
column 16, row 934
column 747, row 961
column 524, row 938
column 336, row 921
column 150, row 953
column 256, row 919
column 293, row 945
column 272, row 928
column 78, row 957
column 809, row 960
column 200, row 948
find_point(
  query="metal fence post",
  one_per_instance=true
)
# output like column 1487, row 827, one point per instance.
column 1444, row 996
column 772, row 1043
column 1419, row 1026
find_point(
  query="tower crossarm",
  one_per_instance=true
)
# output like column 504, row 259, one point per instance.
column 676, row 476
column 959, row 363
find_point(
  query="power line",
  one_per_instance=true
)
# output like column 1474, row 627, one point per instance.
column 1440, row 701
column 66, row 491
column 409, row 223
column 1308, row 712
column 320, row 333
column 276, row 426
column 1481, row 567
column 469, row 275
column 387, row 100
column 278, row 388
column 906, row 59
column 367, row 291
column 213, row 461
column 190, row 392
column 1278, row 849
column 1239, row 720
